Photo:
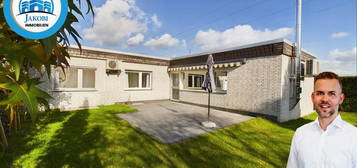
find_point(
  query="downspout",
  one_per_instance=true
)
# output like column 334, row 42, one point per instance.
column 298, row 52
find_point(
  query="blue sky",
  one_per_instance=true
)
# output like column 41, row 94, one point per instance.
column 176, row 28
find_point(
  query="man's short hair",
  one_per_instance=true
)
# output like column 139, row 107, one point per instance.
column 328, row 75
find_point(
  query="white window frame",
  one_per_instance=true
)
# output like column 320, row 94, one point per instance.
column 140, row 80
column 193, row 80
column 199, row 89
column 79, row 80
column 224, row 86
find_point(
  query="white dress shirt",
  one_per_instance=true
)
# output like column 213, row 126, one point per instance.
column 312, row 147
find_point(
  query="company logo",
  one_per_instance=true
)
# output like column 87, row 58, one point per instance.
column 35, row 19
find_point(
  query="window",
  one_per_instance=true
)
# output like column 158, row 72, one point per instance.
column 175, row 80
column 190, row 81
column 221, row 80
column 139, row 79
column 309, row 67
column 69, row 79
column 76, row 78
column 133, row 79
column 88, row 78
column 145, row 80
column 195, row 80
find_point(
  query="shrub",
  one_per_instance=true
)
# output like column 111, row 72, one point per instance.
column 350, row 90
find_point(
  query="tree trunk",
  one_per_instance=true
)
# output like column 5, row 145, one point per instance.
column 18, row 119
column 3, row 136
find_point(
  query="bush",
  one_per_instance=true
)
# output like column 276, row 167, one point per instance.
column 350, row 90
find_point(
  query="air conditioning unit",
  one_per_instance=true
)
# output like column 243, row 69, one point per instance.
column 113, row 66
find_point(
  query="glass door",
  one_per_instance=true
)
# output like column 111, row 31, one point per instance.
column 175, row 94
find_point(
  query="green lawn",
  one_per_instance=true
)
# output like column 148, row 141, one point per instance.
column 94, row 138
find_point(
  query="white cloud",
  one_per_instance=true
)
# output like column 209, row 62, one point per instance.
column 236, row 36
column 135, row 40
column 339, row 35
column 156, row 21
column 183, row 42
column 115, row 21
column 341, row 62
column 338, row 67
column 346, row 56
column 165, row 41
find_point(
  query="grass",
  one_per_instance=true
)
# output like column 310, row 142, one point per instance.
column 94, row 138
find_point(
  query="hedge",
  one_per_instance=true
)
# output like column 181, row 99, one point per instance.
column 350, row 90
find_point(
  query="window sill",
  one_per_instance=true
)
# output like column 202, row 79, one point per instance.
column 203, row 91
column 74, row 90
column 220, row 92
column 137, row 89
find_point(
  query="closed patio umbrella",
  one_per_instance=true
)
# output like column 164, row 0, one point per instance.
column 209, row 86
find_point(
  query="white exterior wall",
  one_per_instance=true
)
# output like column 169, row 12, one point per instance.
column 116, row 89
column 110, row 89
column 253, row 87
column 78, row 98
column 305, row 106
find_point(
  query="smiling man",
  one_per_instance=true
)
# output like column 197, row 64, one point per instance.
column 328, row 141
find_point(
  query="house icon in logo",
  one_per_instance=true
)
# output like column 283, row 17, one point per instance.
column 45, row 6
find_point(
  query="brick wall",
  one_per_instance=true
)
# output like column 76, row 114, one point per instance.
column 253, row 87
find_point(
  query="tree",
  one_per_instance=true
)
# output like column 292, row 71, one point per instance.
column 19, row 91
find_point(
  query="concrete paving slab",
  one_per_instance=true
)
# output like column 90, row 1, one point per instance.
column 170, row 121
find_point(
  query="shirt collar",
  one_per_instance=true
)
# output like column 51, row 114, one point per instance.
column 337, row 122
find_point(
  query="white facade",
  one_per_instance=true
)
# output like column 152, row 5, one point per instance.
column 258, row 85
column 109, row 88
column 251, row 87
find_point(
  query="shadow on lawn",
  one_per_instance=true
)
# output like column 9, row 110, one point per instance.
column 294, row 124
column 22, row 143
column 203, row 154
column 243, row 149
column 73, row 145
column 85, row 138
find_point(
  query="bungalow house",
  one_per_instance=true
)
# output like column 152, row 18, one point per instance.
column 253, row 79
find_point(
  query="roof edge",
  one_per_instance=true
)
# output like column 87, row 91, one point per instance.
column 118, row 52
column 237, row 48
column 197, row 54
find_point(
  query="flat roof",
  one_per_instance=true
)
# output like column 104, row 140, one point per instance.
column 119, row 52
column 193, row 55
column 242, row 47
column 235, row 48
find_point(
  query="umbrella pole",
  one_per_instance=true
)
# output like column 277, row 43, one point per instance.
column 209, row 102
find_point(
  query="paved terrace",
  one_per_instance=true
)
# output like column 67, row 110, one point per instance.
column 170, row 121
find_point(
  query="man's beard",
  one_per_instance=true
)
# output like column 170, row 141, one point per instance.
column 321, row 115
